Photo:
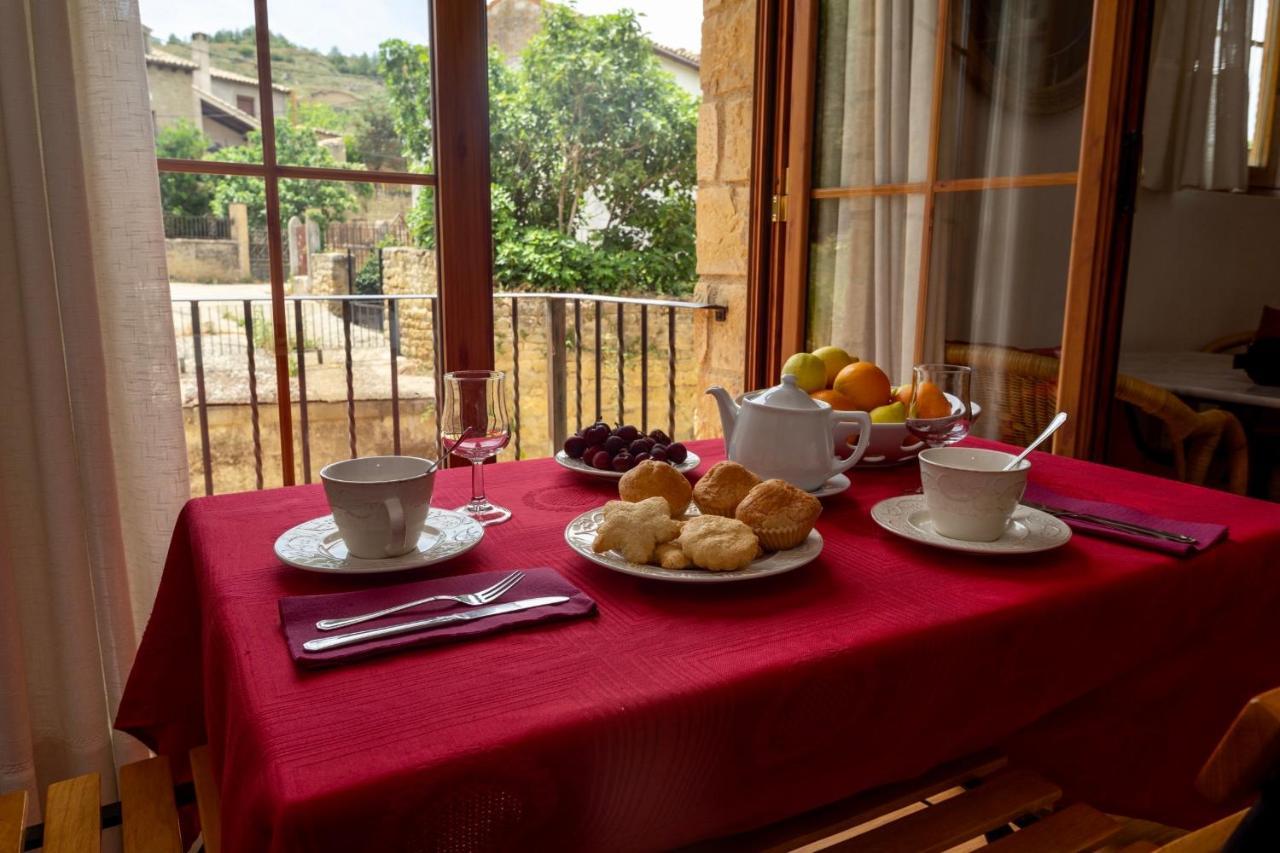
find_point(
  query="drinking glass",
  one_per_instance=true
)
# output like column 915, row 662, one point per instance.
column 474, row 424
column 939, row 413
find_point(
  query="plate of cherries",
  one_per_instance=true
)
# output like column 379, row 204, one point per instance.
column 603, row 451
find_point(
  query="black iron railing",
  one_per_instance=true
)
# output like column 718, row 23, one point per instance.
column 197, row 227
column 224, row 342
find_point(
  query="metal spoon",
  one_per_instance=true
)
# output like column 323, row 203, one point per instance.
column 1058, row 420
column 443, row 456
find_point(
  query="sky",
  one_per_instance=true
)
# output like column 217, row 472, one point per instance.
column 357, row 26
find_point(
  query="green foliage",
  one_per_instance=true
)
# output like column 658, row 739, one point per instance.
column 375, row 141
column 297, row 146
column 183, row 194
column 587, row 122
column 406, row 70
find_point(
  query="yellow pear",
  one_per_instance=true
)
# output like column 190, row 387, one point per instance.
column 893, row 413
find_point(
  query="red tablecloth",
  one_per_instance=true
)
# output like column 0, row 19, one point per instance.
column 684, row 712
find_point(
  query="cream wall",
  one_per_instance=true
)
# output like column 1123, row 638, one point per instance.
column 1202, row 265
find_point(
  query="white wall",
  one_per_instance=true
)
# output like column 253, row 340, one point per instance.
column 1202, row 265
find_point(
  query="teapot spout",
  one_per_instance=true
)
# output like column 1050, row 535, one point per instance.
column 728, row 411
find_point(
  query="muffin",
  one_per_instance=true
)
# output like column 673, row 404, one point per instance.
column 722, row 488
column 652, row 479
column 717, row 544
column 780, row 514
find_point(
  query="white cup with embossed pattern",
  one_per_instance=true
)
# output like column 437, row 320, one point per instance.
column 967, row 494
column 379, row 503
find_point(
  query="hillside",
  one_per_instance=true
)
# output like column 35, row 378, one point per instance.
column 345, row 83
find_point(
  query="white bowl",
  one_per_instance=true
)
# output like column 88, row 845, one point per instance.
column 890, row 444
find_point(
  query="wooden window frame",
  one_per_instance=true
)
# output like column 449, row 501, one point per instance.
column 1105, row 178
column 1263, row 172
column 464, row 256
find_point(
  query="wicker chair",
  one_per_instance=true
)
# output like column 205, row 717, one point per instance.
column 1021, row 390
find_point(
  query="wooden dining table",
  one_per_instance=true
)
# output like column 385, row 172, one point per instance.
column 683, row 712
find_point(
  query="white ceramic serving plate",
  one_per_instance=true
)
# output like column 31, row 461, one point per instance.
column 581, row 532
column 316, row 546
column 691, row 461
column 834, row 486
column 1030, row 530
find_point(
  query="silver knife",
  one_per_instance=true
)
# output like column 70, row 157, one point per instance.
column 1114, row 524
column 324, row 643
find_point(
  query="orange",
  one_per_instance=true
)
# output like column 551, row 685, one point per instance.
column 931, row 402
column 838, row 401
column 904, row 394
column 864, row 384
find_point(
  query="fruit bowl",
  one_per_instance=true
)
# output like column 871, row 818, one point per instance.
column 891, row 443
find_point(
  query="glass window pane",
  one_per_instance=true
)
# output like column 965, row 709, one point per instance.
column 874, row 90
column 367, row 241
column 864, row 269
column 1014, row 91
column 202, row 76
column 999, row 278
column 1259, row 28
column 359, row 97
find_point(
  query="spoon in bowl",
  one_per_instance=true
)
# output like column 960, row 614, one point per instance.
column 1058, row 420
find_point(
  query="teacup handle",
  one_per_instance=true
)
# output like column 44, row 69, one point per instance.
column 863, row 420
column 395, row 513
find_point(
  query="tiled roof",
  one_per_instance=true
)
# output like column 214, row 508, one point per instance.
column 231, row 111
column 168, row 60
column 679, row 54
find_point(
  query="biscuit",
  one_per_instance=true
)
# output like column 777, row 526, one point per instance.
column 635, row 529
column 720, row 490
column 718, row 544
column 657, row 479
column 670, row 555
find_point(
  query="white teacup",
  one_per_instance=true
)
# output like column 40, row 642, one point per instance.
column 379, row 502
column 967, row 495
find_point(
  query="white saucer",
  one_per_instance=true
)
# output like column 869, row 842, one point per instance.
column 834, row 486
column 691, row 461
column 316, row 545
column 1029, row 531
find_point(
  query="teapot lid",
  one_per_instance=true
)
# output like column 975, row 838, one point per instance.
column 787, row 395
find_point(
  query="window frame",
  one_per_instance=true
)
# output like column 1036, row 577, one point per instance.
column 1104, row 179
column 1263, row 170
column 464, row 258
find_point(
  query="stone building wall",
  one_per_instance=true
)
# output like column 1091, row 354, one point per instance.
column 328, row 277
column 408, row 270
column 724, row 171
column 209, row 261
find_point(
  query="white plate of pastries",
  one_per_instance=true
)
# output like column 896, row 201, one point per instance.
column 730, row 527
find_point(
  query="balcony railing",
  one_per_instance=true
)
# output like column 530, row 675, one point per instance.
column 369, row 363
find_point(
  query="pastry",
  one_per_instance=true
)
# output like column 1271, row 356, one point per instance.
column 670, row 555
column 718, row 544
column 657, row 479
column 635, row 529
column 722, row 488
column 780, row 514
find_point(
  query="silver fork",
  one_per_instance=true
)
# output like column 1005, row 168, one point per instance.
column 484, row 596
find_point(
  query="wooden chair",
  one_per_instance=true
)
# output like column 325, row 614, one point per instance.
column 147, row 812
column 1229, row 343
column 978, row 801
column 1021, row 391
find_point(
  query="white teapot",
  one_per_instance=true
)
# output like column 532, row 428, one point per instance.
column 783, row 433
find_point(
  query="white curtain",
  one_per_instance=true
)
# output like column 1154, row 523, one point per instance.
column 1195, row 129
column 92, row 455
column 873, row 129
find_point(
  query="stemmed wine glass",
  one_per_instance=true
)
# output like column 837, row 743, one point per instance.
column 940, row 413
column 474, row 420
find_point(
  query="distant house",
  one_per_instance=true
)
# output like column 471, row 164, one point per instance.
column 512, row 23
column 223, row 104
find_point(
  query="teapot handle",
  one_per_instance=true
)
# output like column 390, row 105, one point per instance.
column 863, row 420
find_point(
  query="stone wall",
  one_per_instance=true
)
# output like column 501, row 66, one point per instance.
column 407, row 270
column 328, row 277
column 724, row 171
column 212, row 261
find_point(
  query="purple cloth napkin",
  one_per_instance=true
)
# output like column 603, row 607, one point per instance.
column 299, row 613
column 1206, row 534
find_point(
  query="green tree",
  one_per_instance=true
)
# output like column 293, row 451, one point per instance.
column 183, row 194
column 296, row 145
column 586, row 131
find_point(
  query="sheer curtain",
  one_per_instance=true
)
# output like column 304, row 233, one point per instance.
column 873, row 128
column 1195, row 130
column 92, row 454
